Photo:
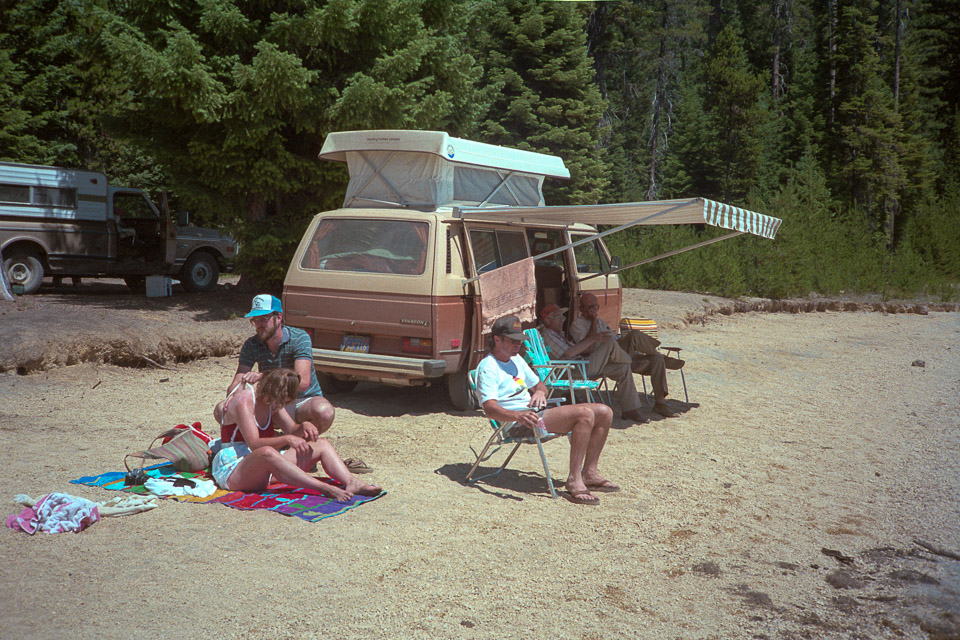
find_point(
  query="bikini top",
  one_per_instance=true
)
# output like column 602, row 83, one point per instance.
column 231, row 432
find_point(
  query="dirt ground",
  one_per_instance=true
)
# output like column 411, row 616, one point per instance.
column 813, row 493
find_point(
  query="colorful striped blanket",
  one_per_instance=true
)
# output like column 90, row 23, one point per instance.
column 281, row 498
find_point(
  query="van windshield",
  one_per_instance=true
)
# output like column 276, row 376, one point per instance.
column 373, row 246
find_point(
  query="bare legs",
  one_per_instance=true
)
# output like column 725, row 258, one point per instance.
column 316, row 410
column 588, row 426
column 255, row 470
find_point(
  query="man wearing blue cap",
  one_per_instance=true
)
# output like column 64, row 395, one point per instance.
column 275, row 346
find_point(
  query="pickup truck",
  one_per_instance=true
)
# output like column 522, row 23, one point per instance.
column 66, row 222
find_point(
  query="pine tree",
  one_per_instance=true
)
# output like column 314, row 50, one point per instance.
column 865, row 149
column 535, row 54
column 235, row 100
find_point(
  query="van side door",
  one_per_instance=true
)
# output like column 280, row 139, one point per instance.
column 490, row 247
column 592, row 259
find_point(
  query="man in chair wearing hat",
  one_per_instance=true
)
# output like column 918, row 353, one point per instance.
column 604, row 358
column 275, row 346
column 510, row 391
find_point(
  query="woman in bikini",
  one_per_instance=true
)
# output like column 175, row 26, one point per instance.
column 251, row 455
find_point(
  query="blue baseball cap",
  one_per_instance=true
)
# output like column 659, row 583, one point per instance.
column 263, row 305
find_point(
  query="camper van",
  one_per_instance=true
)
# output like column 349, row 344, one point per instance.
column 389, row 285
column 436, row 238
column 64, row 222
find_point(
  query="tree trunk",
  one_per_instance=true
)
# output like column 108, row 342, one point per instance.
column 776, row 89
column 896, row 67
column 832, row 45
column 659, row 98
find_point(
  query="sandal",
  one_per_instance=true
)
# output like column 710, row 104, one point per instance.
column 356, row 465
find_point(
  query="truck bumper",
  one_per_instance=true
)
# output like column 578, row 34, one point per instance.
column 373, row 366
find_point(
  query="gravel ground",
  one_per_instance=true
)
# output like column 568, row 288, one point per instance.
column 809, row 490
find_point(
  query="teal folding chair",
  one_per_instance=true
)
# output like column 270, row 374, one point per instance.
column 500, row 437
column 566, row 375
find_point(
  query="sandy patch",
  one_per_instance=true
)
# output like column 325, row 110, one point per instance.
column 814, row 432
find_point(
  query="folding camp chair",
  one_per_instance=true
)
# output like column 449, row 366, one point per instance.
column 650, row 328
column 566, row 375
column 500, row 437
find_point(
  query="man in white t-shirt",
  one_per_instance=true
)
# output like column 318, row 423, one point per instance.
column 641, row 348
column 505, row 382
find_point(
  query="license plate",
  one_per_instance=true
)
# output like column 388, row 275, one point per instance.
column 356, row 344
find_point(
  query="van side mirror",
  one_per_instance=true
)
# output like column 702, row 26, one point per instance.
column 615, row 262
column 183, row 218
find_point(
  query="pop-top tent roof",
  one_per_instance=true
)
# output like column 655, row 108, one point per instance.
column 429, row 169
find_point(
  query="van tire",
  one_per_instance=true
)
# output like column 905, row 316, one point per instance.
column 22, row 267
column 334, row 386
column 458, row 387
column 200, row 272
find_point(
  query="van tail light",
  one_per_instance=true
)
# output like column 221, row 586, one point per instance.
column 419, row 346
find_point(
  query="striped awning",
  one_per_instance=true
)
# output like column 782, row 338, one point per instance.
column 657, row 212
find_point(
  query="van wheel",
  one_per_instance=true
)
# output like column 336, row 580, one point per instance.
column 24, row 269
column 461, row 395
column 334, row 386
column 200, row 272
column 137, row 284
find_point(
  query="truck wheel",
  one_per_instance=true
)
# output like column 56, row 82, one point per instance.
column 461, row 395
column 137, row 284
column 334, row 386
column 24, row 268
column 200, row 272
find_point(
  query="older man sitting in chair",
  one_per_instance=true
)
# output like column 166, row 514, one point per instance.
column 645, row 359
column 602, row 353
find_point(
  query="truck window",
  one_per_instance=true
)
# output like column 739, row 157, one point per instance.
column 132, row 206
column 373, row 246
column 55, row 197
column 496, row 248
column 591, row 257
column 13, row 193
column 41, row 196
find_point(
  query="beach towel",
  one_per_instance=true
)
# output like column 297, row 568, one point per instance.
column 280, row 498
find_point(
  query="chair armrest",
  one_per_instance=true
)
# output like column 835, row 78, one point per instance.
column 677, row 349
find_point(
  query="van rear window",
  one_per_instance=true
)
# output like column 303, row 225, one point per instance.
column 372, row 246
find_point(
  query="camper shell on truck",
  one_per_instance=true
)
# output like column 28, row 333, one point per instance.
column 65, row 222
column 435, row 238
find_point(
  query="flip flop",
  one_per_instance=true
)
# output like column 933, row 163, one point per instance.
column 356, row 465
column 581, row 497
column 606, row 487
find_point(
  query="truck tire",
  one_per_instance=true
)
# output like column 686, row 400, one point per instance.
column 458, row 388
column 334, row 386
column 200, row 272
column 137, row 284
column 24, row 269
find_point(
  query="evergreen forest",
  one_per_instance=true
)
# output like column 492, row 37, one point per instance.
column 841, row 117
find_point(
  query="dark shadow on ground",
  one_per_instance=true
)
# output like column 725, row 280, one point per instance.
column 532, row 485
column 385, row 401
column 224, row 302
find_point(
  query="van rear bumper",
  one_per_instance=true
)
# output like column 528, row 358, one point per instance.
column 371, row 364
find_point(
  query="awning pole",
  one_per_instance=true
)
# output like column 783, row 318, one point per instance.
column 590, row 238
column 664, row 255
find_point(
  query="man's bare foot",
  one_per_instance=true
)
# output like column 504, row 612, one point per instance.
column 664, row 410
column 600, row 484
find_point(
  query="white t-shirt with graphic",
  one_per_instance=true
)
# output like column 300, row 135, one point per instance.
column 506, row 382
